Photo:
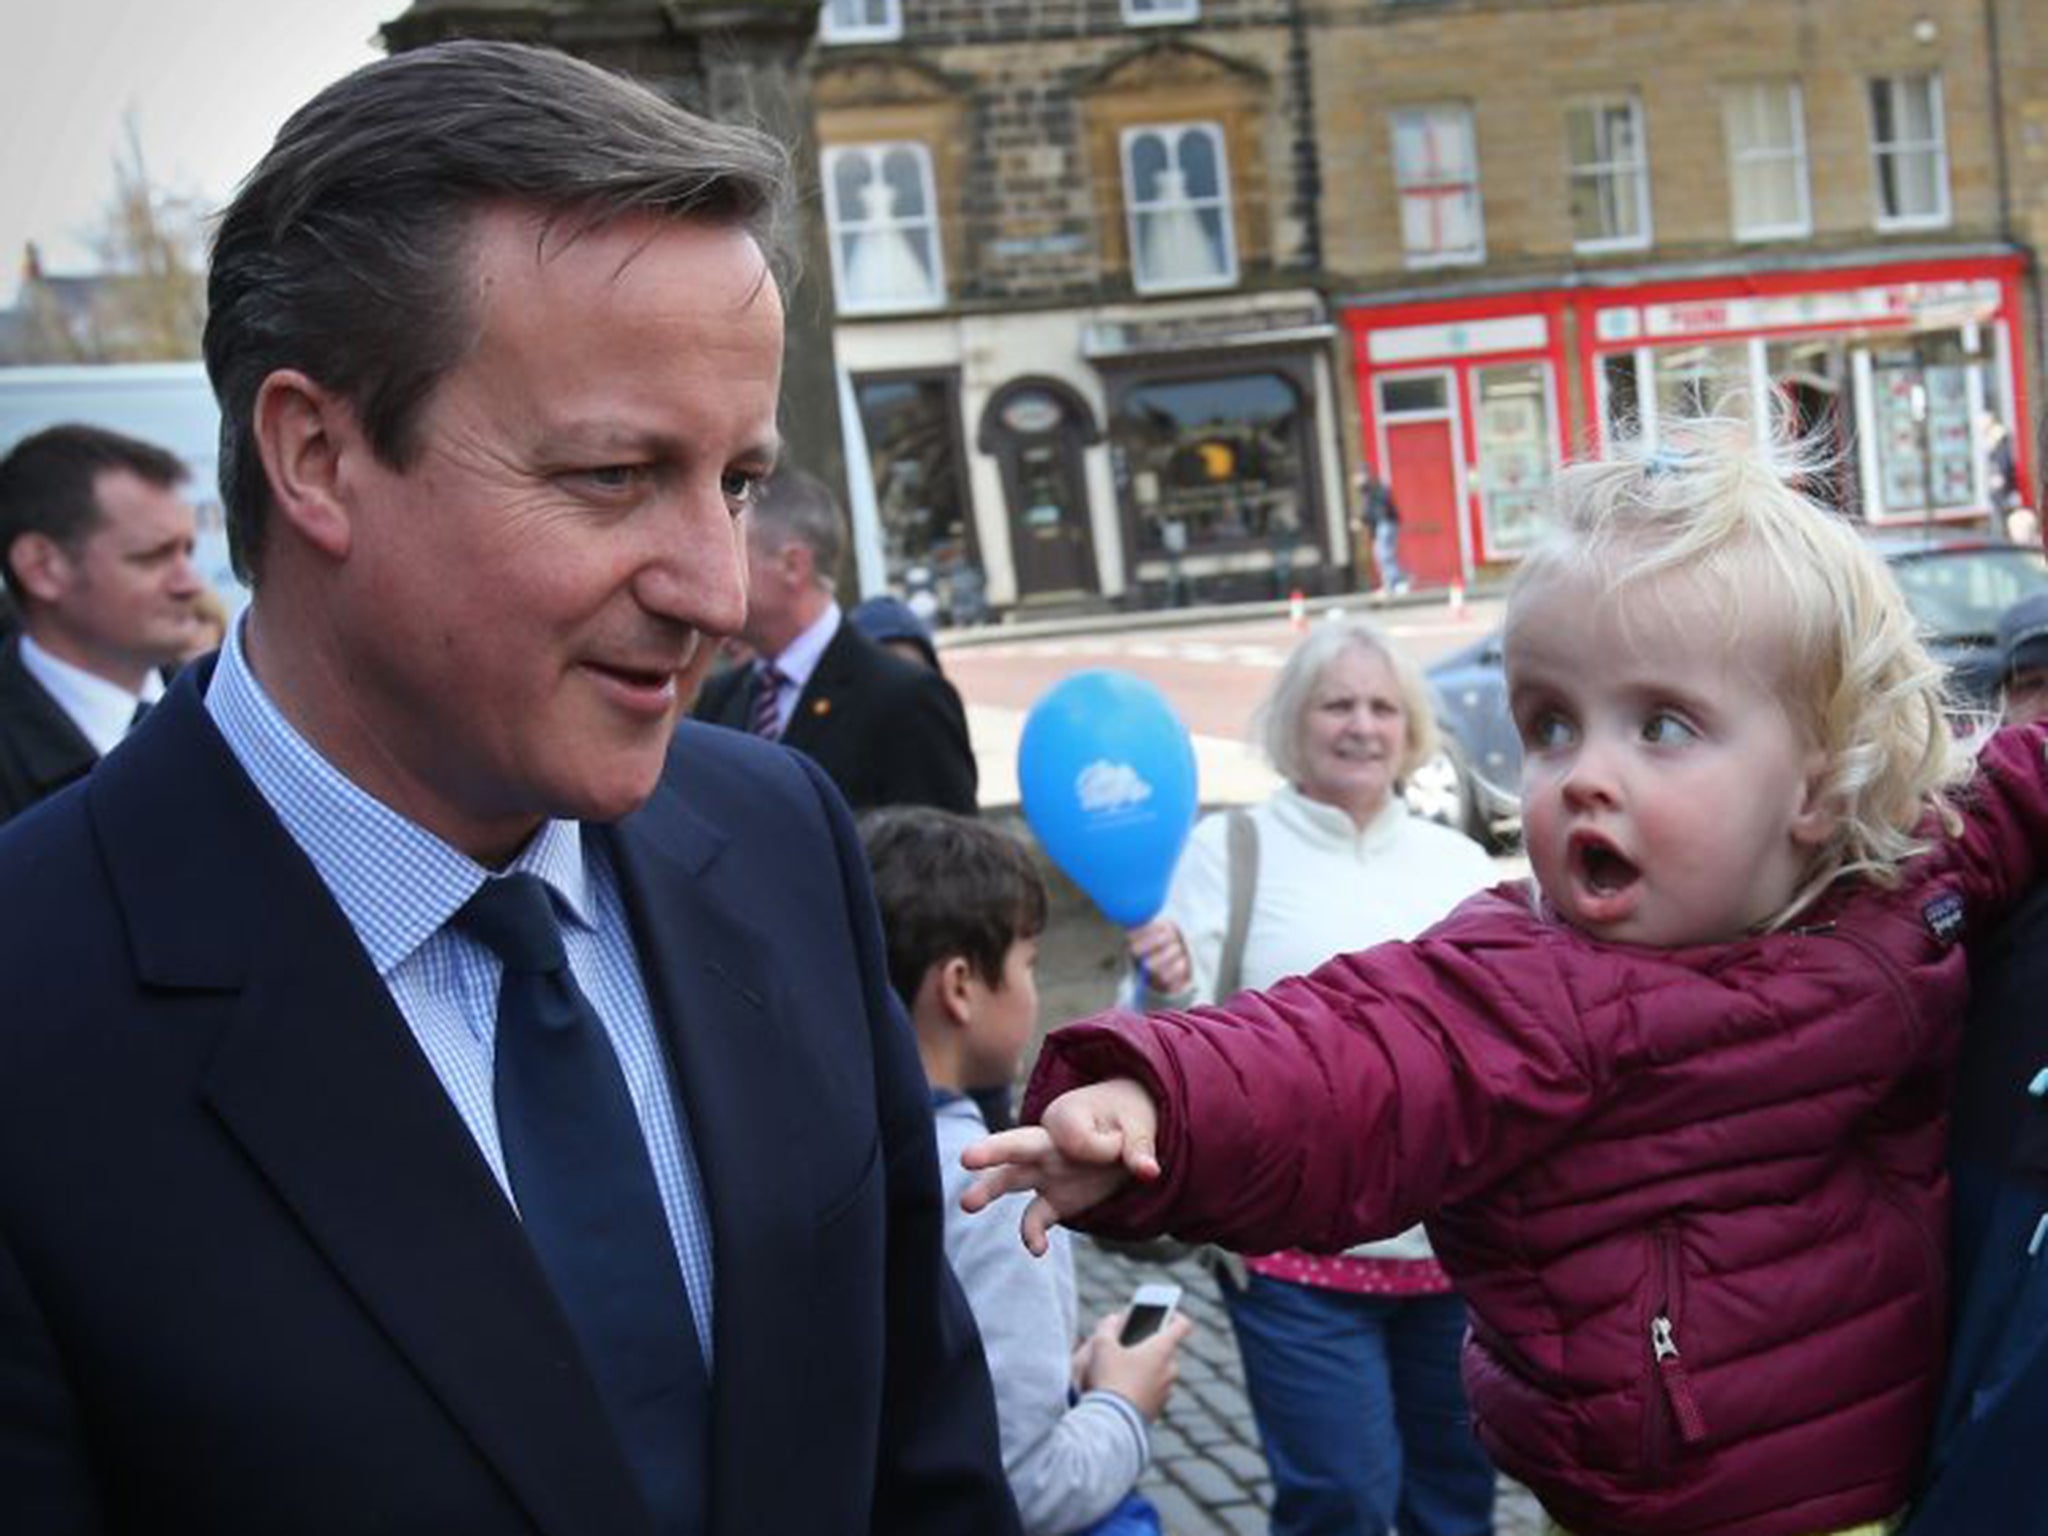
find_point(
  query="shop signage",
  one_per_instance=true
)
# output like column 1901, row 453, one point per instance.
column 1222, row 326
column 1892, row 305
column 1460, row 338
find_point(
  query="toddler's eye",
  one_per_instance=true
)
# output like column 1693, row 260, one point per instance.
column 1549, row 731
column 1665, row 729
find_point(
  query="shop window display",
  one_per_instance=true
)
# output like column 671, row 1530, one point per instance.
column 918, row 491
column 1213, row 463
column 1514, row 454
column 1926, row 452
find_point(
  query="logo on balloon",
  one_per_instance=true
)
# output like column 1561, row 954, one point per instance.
column 1104, row 787
column 1107, row 776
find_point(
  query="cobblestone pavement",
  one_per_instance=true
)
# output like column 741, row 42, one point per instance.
column 1208, row 1476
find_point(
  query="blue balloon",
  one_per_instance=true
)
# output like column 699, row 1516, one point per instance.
column 1108, row 779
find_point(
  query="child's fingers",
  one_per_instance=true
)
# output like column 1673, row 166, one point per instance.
column 1140, row 1157
column 991, row 1187
column 1022, row 1144
column 1039, row 1219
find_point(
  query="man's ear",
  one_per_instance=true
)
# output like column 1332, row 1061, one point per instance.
column 303, row 432
column 1818, row 815
column 41, row 566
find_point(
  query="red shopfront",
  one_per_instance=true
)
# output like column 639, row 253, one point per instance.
column 1462, row 414
column 1899, row 368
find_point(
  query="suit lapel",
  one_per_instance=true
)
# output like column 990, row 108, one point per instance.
column 317, row 1077
column 827, row 690
column 708, row 977
column 51, row 748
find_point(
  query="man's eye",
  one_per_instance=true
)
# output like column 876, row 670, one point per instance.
column 741, row 486
column 612, row 477
column 1665, row 729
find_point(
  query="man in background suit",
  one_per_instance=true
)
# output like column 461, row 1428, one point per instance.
column 96, row 548
column 437, row 1095
column 888, row 731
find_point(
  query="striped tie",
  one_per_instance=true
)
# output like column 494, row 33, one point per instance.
column 766, row 721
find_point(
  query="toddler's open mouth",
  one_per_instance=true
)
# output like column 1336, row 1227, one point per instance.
column 1600, row 868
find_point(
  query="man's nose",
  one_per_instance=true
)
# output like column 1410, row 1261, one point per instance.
column 698, row 574
column 185, row 578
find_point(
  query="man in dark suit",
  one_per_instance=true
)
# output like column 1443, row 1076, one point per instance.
column 888, row 731
column 437, row 1095
column 96, row 549
column 1994, row 1412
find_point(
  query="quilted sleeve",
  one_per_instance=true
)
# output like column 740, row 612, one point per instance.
column 1347, row 1104
column 2002, row 851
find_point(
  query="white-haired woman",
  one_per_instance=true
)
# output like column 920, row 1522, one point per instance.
column 1351, row 1361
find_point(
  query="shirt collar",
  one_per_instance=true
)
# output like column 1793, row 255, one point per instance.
column 101, row 710
column 396, row 882
column 799, row 658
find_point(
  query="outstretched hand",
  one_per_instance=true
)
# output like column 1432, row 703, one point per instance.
column 1089, row 1144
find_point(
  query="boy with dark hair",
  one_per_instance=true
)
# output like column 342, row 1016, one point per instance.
column 962, row 910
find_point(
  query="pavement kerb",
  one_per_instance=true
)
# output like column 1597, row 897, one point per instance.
column 1122, row 621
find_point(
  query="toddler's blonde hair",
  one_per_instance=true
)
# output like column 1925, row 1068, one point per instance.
column 1715, row 505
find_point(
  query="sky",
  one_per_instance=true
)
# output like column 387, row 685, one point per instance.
column 209, row 82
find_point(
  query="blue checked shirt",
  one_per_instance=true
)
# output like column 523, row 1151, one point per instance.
column 398, row 885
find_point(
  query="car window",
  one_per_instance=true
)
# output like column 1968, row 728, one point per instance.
column 1964, row 593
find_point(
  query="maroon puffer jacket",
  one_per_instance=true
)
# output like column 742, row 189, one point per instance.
column 1694, row 1198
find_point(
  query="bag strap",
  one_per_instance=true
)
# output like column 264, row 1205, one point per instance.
column 1244, row 880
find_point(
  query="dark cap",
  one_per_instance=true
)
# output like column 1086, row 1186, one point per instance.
column 890, row 618
column 2023, row 634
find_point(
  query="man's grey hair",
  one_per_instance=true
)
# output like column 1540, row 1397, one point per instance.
column 345, row 253
column 796, row 507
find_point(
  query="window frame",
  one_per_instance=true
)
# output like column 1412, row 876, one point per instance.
column 1575, row 171
column 1793, row 153
column 836, row 228
column 1403, row 190
column 1161, row 13
column 889, row 28
column 1225, row 203
column 1880, row 150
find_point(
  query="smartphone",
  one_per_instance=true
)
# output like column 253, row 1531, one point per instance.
column 1151, row 1306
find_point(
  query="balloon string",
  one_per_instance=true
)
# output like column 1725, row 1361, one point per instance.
column 1144, row 981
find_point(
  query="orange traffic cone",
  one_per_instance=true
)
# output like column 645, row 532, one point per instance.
column 1457, row 600
column 1297, row 610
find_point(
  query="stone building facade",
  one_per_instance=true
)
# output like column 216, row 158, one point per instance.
column 1075, row 257
column 1460, row 240
column 1551, row 225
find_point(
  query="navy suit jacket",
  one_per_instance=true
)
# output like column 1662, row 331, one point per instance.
column 888, row 731
column 255, row 1276
column 1983, row 1467
column 41, row 747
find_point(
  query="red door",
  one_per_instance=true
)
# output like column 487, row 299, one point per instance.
column 1423, row 475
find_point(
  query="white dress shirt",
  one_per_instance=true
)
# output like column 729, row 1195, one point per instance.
column 103, row 711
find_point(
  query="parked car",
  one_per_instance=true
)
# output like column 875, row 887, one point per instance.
column 1957, row 588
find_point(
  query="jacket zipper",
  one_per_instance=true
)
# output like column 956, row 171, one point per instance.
column 1675, row 1404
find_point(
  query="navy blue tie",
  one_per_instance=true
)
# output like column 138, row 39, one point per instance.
column 592, row 1211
